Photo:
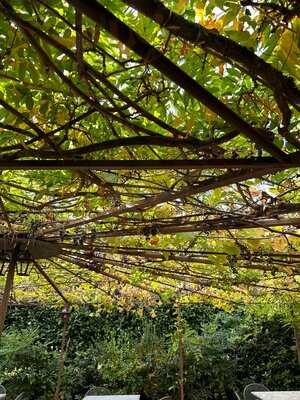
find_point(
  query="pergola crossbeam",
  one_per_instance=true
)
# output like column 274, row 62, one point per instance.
column 255, row 163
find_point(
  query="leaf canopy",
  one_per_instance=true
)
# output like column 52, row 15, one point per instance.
column 155, row 143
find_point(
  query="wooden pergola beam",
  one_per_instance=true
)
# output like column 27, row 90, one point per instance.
column 251, row 163
column 206, row 226
column 41, row 271
column 223, row 47
column 150, row 55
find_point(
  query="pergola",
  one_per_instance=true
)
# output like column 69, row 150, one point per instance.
column 141, row 146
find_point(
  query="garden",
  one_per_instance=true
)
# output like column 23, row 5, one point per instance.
column 149, row 198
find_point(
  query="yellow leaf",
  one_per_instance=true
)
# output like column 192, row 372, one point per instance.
column 279, row 243
column 231, row 249
column 140, row 312
column 235, row 24
column 61, row 117
column 181, row 6
column 254, row 244
column 210, row 116
column 199, row 13
column 216, row 24
column 288, row 48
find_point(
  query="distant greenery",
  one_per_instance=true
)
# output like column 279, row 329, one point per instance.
column 127, row 352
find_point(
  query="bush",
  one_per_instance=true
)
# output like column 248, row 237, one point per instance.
column 130, row 353
column 26, row 365
column 127, row 365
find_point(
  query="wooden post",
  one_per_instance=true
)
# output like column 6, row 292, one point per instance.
column 295, row 318
column 297, row 339
column 181, row 366
column 180, row 331
column 65, row 315
column 6, row 294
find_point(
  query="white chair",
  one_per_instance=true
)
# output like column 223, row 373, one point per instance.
column 93, row 394
column 254, row 387
column 21, row 396
column 2, row 392
column 237, row 396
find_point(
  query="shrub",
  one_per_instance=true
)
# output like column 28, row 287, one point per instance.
column 130, row 353
column 26, row 365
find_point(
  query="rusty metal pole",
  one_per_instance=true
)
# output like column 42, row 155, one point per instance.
column 297, row 340
column 65, row 317
column 7, row 290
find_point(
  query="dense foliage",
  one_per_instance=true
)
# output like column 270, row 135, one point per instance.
column 149, row 152
column 127, row 352
column 155, row 144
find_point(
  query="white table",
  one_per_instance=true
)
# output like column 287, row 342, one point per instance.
column 277, row 395
column 114, row 397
